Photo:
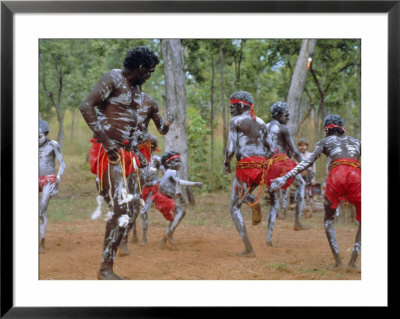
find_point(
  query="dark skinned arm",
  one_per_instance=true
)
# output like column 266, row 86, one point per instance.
column 162, row 127
column 230, row 150
column 95, row 98
column 293, row 151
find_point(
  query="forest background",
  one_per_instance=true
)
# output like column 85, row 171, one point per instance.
column 213, row 70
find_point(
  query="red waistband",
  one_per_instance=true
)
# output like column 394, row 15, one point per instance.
column 345, row 161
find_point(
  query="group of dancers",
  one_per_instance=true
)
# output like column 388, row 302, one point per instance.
column 127, row 171
column 264, row 151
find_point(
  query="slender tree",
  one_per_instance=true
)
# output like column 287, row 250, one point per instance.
column 297, row 85
column 175, row 103
column 225, row 127
column 212, row 89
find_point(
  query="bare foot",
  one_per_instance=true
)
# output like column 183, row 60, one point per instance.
column 301, row 227
column 163, row 241
column 353, row 268
column 123, row 250
column 108, row 275
column 246, row 253
column 269, row 243
column 143, row 242
column 171, row 239
column 337, row 267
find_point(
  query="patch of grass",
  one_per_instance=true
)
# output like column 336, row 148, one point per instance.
column 220, row 221
column 279, row 267
column 67, row 229
column 315, row 271
column 70, row 209
column 197, row 222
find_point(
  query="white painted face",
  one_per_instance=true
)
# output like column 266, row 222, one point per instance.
column 303, row 147
column 175, row 163
column 42, row 137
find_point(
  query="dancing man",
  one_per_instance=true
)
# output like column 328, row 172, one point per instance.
column 114, row 155
column 280, row 163
column 248, row 142
column 49, row 150
column 343, row 180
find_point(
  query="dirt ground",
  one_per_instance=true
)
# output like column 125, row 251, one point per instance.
column 203, row 252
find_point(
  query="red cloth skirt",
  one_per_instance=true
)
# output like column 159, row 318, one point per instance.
column 147, row 190
column 43, row 180
column 279, row 165
column 251, row 170
column 145, row 149
column 164, row 204
column 98, row 159
column 344, row 183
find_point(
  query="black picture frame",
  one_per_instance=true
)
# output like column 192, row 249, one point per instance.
column 9, row 8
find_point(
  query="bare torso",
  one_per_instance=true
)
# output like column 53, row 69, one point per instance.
column 150, row 172
column 334, row 147
column 118, row 112
column 47, row 156
column 247, row 137
column 279, row 137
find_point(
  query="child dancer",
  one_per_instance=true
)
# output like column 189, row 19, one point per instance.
column 167, row 198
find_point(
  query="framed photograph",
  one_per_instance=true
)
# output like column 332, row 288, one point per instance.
column 25, row 23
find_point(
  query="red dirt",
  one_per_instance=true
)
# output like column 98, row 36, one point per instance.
column 73, row 252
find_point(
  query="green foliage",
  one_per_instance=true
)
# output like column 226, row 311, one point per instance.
column 197, row 132
column 200, row 165
column 337, row 66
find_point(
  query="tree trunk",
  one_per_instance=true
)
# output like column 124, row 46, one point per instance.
column 60, row 138
column 359, row 106
column 175, row 103
column 297, row 85
column 224, row 116
column 75, row 118
column 212, row 112
column 320, row 117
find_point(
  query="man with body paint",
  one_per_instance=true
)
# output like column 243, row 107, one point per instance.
column 248, row 142
column 343, row 180
column 280, row 163
column 149, row 174
column 166, row 200
column 114, row 155
column 49, row 150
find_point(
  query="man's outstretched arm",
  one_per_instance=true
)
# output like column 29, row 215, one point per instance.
column 303, row 165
